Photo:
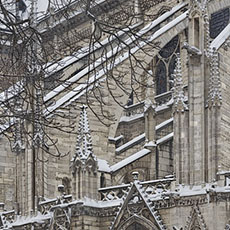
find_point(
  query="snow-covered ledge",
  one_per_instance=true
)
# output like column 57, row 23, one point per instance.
column 221, row 38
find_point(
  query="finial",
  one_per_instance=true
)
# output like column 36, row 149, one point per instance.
column 84, row 147
column 135, row 176
column 178, row 95
column 214, row 95
column 84, row 141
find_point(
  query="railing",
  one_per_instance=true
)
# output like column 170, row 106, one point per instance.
column 134, row 109
column 7, row 218
column 150, row 187
column 163, row 98
column 138, row 108
column 45, row 206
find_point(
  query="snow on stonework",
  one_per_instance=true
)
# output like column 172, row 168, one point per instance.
column 84, row 147
column 179, row 97
column 136, row 197
column 214, row 96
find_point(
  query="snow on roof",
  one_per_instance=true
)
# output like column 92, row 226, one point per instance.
column 80, row 90
column 113, row 187
column 141, row 137
column 95, row 203
column 221, row 38
column 103, row 165
column 131, row 118
column 118, row 48
column 129, row 144
column 130, row 159
column 164, row 123
column 115, row 139
column 83, row 52
column 165, row 138
column 23, row 220
column 12, row 91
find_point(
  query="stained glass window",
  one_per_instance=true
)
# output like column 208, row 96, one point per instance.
column 165, row 64
column 169, row 48
column 218, row 22
column 161, row 78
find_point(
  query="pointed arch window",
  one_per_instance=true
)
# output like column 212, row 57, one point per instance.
column 165, row 64
column 161, row 79
column 136, row 226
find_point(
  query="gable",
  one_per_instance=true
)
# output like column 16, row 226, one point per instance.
column 137, row 208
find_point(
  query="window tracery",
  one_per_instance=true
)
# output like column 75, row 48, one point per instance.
column 165, row 64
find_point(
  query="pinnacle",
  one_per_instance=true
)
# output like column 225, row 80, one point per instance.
column 179, row 97
column 84, row 140
column 214, row 97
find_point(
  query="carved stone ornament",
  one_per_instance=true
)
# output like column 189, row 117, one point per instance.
column 195, row 220
column 214, row 94
column 178, row 90
column 137, row 208
column 84, row 158
column 61, row 219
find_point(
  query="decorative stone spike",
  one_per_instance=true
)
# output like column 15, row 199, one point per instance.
column 18, row 145
column 214, row 96
column 178, row 94
column 84, row 141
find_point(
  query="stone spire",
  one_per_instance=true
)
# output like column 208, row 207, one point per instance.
column 84, row 149
column 214, row 95
column 84, row 163
column 179, row 97
column 84, row 141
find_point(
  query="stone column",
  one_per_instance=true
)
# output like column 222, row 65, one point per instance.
column 180, row 128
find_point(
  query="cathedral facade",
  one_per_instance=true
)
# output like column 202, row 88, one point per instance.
column 163, row 162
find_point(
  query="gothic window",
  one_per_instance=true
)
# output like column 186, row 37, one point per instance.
column 169, row 48
column 172, row 65
column 161, row 80
column 165, row 64
column 218, row 22
column 136, row 226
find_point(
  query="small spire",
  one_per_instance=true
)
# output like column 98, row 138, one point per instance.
column 84, row 140
column 178, row 94
column 214, row 96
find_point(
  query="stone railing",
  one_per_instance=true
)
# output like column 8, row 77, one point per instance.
column 150, row 187
column 114, row 192
column 138, row 108
column 135, row 109
column 45, row 206
column 7, row 218
column 163, row 98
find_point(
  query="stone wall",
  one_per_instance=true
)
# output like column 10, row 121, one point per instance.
column 224, row 143
column 7, row 174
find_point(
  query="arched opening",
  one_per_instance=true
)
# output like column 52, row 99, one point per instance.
column 136, row 226
column 165, row 65
column 137, row 222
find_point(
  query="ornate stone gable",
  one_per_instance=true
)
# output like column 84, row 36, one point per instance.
column 137, row 208
column 195, row 220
